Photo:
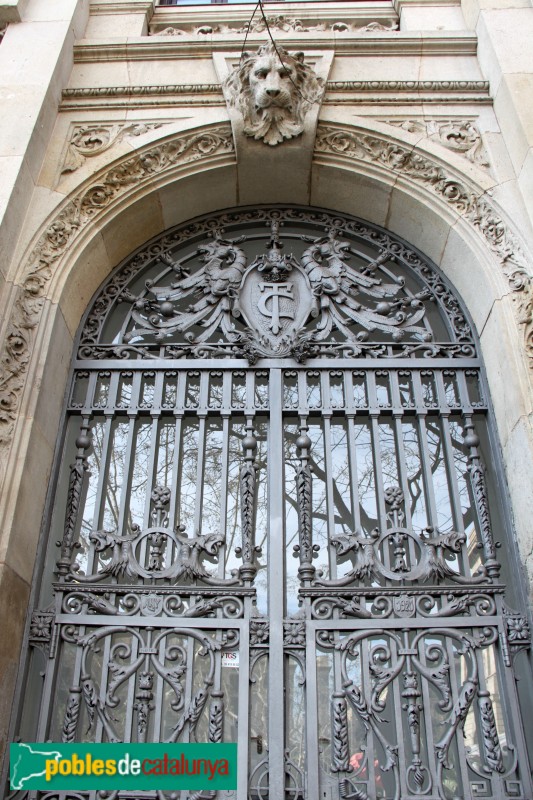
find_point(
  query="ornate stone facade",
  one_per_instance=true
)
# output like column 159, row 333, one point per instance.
column 422, row 129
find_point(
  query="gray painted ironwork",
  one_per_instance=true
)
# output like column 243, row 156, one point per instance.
column 275, row 525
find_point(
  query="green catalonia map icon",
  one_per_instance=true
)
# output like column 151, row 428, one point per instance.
column 28, row 761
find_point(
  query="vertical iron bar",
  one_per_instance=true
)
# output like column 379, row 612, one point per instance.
column 202, row 415
column 276, row 582
column 311, row 717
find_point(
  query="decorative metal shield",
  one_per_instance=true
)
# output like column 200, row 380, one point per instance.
column 275, row 310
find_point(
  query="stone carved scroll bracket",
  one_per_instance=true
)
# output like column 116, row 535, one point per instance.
column 89, row 141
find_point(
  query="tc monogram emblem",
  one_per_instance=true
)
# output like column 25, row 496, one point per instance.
column 273, row 292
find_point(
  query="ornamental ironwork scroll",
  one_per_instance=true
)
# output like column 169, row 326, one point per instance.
column 310, row 284
column 232, row 533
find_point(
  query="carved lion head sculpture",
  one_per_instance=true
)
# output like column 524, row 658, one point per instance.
column 273, row 91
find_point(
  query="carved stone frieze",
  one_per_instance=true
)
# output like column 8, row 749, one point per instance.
column 280, row 24
column 460, row 136
column 273, row 90
column 443, row 87
column 52, row 244
column 88, row 141
column 474, row 208
column 353, row 92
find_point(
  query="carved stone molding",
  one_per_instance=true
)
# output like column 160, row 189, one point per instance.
column 408, row 86
column 353, row 92
column 473, row 207
column 412, row 92
column 135, row 97
column 459, row 135
column 120, row 91
column 88, row 141
column 280, row 24
column 51, row 246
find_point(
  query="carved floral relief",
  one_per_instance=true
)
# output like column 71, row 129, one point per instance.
column 460, row 136
column 88, row 141
column 281, row 24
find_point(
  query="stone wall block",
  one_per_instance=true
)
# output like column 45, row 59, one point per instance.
column 514, row 110
column 202, row 193
column 518, row 456
column 504, row 363
column 33, row 460
column 74, row 288
column 342, row 189
column 15, row 188
column 14, row 594
column 480, row 281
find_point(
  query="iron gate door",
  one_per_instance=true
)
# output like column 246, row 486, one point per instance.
column 274, row 524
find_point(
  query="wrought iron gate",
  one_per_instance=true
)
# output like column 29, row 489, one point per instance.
column 274, row 525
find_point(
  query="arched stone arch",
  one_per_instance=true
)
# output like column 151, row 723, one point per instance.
column 368, row 174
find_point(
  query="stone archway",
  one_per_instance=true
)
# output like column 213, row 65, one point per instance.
column 84, row 238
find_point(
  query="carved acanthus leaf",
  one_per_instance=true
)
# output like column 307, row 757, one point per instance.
column 88, row 141
column 459, row 135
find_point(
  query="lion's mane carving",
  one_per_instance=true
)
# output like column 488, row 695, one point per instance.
column 273, row 91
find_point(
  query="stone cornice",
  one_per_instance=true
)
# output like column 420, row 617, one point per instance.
column 122, row 7
column 157, row 48
column 400, row 4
